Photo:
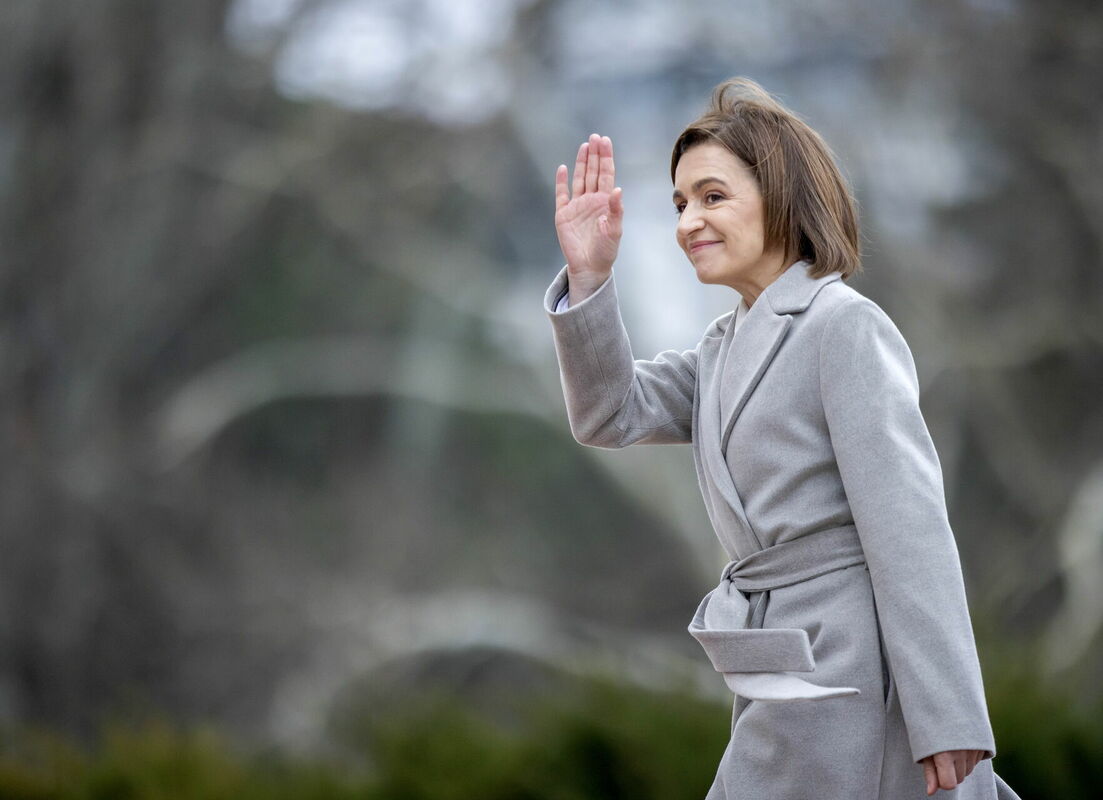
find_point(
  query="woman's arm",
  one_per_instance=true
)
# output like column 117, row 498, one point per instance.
column 893, row 482
column 613, row 400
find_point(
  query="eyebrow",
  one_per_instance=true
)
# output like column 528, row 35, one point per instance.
column 698, row 184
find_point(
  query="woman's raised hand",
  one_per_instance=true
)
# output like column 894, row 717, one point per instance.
column 588, row 218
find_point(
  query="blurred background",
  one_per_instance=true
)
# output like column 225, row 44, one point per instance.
column 289, row 506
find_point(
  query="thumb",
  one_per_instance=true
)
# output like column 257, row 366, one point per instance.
column 616, row 203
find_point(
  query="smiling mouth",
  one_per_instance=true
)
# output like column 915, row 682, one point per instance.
column 697, row 246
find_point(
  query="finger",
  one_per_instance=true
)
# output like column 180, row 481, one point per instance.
column 562, row 196
column 959, row 765
column 971, row 759
column 947, row 777
column 606, row 170
column 579, row 183
column 592, row 162
column 977, row 757
column 930, row 776
column 616, row 203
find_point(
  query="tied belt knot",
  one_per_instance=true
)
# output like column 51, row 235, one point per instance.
column 728, row 623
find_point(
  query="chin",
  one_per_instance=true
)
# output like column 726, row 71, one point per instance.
column 706, row 277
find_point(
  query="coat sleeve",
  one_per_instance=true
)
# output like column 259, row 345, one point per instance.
column 613, row 400
column 893, row 483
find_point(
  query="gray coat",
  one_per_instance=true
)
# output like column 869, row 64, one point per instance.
column 841, row 622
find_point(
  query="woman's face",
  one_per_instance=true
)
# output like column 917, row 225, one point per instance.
column 721, row 224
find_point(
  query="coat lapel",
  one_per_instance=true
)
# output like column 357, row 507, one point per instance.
column 752, row 349
column 760, row 336
column 740, row 359
column 725, row 508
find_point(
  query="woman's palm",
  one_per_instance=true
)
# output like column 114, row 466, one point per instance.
column 588, row 220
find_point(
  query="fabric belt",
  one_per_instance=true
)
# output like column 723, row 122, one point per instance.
column 728, row 623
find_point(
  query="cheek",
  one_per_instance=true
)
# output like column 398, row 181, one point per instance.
column 739, row 224
column 757, row 218
column 750, row 225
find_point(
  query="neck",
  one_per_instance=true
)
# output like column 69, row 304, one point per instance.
column 767, row 270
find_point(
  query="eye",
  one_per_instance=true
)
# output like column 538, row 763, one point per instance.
column 679, row 208
column 713, row 197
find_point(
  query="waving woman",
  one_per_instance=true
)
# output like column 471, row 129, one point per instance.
column 840, row 622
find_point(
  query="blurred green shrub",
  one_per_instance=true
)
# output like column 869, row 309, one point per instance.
column 156, row 761
column 602, row 741
column 606, row 741
column 1050, row 742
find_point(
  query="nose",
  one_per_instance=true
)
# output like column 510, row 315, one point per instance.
column 688, row 221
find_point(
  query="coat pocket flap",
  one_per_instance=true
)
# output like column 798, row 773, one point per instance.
column 757, row 650
column 720, row 626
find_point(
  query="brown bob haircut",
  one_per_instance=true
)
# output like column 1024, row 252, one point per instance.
column 809, row 209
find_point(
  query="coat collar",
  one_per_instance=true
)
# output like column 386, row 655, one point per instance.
column 760, row 336
column 793, row 291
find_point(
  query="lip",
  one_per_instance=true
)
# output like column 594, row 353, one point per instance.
column 698, row 246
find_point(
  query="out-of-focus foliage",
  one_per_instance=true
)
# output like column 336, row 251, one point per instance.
column 603, row 741
column 1050, row 740
column 600, row 741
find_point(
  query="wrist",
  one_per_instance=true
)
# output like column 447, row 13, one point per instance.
column 581, row 287
column 585, row 282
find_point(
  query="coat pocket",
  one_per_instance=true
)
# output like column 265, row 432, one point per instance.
column 755, row 662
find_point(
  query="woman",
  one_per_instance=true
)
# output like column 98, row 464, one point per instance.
column 841, row 622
